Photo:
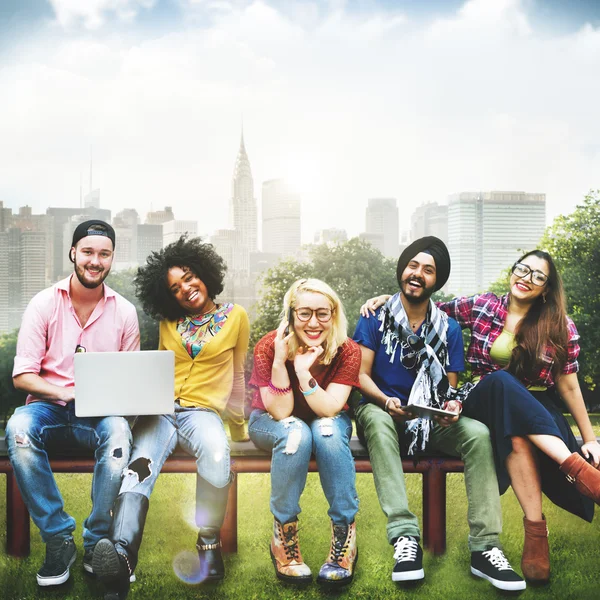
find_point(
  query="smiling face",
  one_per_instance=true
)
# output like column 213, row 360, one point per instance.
column 419, row 278
column 312, row 332
column 189, row 291
column 523, row 288
column 92, row 256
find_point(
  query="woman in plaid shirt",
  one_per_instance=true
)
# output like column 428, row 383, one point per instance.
column 523, row 352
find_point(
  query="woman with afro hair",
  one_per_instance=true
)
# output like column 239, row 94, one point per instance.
column 178, row 286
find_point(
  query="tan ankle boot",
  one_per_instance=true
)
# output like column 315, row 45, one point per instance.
column 583, row 475
column 535, row 562
column 341, row 562
column 286, row 555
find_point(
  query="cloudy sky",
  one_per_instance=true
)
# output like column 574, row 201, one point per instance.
column 348, row 100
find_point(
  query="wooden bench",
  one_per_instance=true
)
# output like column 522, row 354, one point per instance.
column 245, row 458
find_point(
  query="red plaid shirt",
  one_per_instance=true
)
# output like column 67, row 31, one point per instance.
column 485, row 316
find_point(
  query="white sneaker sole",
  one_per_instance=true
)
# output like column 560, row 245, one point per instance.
column 509, row 586
column 57, row 579
column 408, row 575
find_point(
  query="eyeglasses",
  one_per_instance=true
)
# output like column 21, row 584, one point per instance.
column 411, row 351
column 305, row 314
column 537, row 277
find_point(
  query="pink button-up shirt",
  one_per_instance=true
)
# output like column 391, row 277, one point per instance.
column 50, row 332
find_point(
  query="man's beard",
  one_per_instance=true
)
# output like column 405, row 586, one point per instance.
column 90, row 285
column 425, row 294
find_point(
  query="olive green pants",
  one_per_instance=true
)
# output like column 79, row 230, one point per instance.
column 467, row 439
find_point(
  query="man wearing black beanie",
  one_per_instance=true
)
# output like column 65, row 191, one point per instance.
column 411, row 355
column 78, row 314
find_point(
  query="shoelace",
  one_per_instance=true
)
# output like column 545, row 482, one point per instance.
column 339, row 543
column 405, row 549
column 498, row 560
column 290, row 544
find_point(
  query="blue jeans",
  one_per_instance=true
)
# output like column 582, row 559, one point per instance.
column 39, row 426
column 292, row 441
column 199, row 431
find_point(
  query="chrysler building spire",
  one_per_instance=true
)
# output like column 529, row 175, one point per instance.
column 243, row 203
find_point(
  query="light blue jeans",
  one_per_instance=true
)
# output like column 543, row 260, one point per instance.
column 292, row 441
column 199, row 431
column 41, row 426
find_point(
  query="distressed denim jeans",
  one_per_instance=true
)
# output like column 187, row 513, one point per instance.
column 467, row 439
column 199, row 431
column 41, row 426
column 292, row 441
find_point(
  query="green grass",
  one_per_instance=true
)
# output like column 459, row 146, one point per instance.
column 170, row 537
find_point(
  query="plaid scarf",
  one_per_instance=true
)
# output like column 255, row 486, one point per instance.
column 431, row 384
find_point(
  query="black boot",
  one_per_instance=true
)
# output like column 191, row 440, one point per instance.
column 211, row 504
column 209, row 553
column 115, row 558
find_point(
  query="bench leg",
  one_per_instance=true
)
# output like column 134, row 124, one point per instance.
column 434, row 510
column 17, row 520
column 229, row 529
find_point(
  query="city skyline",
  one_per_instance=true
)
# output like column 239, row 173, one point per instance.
column 346, row 101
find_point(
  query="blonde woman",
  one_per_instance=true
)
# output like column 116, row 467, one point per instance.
column 304, row 372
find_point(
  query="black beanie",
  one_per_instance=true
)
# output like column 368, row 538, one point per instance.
column 83, row 230
column 430, row 245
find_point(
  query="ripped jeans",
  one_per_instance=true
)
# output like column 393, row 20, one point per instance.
column 41, row 426
column 199, row 431
column 292, row 441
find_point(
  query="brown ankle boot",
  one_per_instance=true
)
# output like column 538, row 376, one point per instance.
column 535, row 562
column 286, row 555
column 341, row 562
column 585, row 477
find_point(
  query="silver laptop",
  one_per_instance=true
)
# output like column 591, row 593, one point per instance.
column 124, row 383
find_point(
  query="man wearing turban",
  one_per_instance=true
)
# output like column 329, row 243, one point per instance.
column 411, row 355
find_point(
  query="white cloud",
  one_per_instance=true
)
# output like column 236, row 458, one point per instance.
column 93, row 13
column 352, row 107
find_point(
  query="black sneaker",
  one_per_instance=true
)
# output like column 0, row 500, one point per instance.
column 409, row 560
column 87, row 561
column 493, row 565
column 60, row 555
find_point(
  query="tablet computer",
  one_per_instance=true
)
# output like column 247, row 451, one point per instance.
column 419, row 410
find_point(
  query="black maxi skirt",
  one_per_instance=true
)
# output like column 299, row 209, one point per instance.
column 509, row 409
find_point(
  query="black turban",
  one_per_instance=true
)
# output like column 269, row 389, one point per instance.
column 437, row 249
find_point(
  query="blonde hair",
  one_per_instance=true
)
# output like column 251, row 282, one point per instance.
column 338, row 333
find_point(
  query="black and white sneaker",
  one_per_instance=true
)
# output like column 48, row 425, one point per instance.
column 493, row 565
column 60, row 555
column 409, row 560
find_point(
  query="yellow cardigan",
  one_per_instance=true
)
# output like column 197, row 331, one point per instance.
column 215, row 378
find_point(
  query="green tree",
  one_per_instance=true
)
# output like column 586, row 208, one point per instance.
column 501, row 286
column 9, row 397
column 574, row 243
column 354, row 269
column 122, row 282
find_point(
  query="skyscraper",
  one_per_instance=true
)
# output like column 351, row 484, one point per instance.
column 149, row 239
column 382, row 220
column 243, row 202
column 430, row 219
column 23, row 268
column 486, row 233
column 280, row 218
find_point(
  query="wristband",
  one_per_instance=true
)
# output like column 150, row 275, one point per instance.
column 310, row 391
column 386, row 405
column 278, row 391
